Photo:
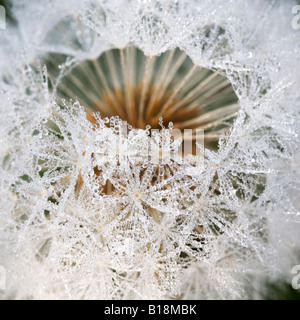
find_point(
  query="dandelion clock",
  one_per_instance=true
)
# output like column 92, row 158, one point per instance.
column 149, row 149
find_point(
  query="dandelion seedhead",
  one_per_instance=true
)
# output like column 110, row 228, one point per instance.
column 148, row 150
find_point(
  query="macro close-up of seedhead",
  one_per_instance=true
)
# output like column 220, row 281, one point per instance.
column 149, row 150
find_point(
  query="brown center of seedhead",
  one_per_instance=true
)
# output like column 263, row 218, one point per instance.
column 141, row 90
